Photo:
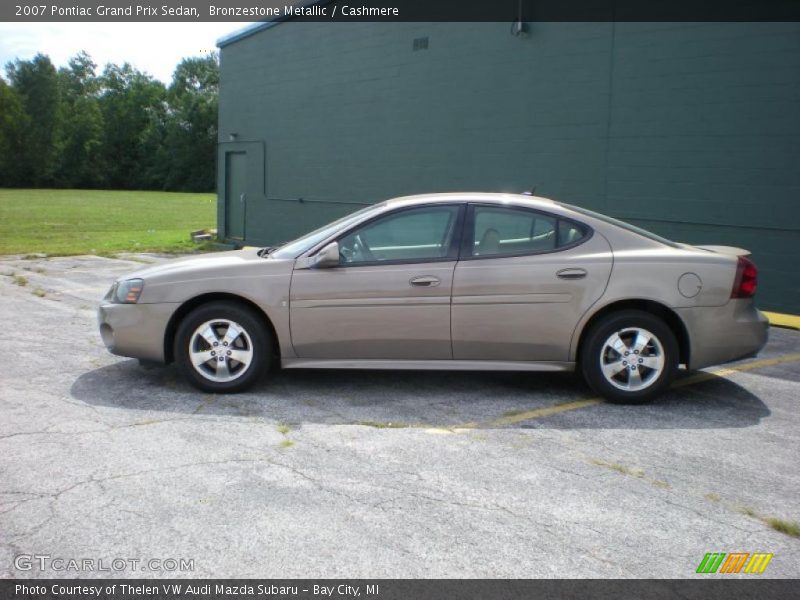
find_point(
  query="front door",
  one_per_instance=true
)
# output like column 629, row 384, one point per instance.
column 235, row 194
column 523, row 283
column 389, row 298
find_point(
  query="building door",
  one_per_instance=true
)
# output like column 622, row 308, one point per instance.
column 235, row 194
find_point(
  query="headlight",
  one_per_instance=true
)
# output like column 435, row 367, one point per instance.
column 126, row 292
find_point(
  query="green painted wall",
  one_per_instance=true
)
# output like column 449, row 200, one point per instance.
column 689, row 129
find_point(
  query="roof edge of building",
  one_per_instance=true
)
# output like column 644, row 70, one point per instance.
column 253, row 28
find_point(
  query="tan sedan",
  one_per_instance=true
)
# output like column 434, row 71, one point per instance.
column 466, row 281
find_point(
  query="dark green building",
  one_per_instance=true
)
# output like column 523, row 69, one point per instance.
column 691, row 130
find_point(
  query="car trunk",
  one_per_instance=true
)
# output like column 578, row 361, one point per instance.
column 727, row 250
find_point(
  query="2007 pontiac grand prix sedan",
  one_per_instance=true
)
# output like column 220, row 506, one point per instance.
column 447, row 281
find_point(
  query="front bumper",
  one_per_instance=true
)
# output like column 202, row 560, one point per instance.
column 721, row 334
column 135, row 330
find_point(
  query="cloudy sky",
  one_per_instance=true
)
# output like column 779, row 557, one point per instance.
column 152, row 47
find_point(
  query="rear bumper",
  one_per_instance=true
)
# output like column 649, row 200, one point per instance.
column 135, row 330
column 721, row 334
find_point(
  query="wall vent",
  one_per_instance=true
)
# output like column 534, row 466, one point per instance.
column 420, row 44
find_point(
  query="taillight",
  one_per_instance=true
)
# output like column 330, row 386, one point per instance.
column 744, row 285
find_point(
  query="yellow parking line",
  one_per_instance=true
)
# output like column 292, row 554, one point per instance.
column 578, row 404
column 783, row 320
column 544, row 412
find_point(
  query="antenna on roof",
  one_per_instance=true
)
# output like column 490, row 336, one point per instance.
column 529, row 192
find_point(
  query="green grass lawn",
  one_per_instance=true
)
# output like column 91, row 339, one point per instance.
column 63, row 222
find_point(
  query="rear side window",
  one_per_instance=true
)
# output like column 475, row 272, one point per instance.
column 570, row 232
column 499, row 230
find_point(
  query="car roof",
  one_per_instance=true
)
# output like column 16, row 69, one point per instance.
column 606, row 225
column 487, row 197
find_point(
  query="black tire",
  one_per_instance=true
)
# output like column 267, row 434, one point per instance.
column 255, row 339
column 595, row 353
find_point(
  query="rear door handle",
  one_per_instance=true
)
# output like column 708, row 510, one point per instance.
column 571, row 274
column 425, row 281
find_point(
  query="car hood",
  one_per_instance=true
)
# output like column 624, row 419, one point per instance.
column 200, row 265
column 240, row 272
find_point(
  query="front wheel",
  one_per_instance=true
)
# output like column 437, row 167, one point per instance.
column 629, row 357
column 222, row 347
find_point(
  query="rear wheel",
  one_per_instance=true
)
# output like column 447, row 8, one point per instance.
column 222, row 347
column 629, row 357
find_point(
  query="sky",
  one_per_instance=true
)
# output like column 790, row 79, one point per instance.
column 152, row 47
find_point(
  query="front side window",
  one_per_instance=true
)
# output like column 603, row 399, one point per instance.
column 501, row 230
column 413, row 235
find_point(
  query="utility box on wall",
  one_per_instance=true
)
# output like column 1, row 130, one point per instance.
column 691, row 130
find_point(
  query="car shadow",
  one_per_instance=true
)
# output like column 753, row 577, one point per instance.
column 435, row 399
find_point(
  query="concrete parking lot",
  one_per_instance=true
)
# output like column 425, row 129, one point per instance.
column 375, row 474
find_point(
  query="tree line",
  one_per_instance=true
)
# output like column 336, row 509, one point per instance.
column 75, row 127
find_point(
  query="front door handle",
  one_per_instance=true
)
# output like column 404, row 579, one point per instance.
column 571, row 274
column 425, row 281
column 241, row 197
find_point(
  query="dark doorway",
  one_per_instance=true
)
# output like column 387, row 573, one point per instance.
column 235, row 194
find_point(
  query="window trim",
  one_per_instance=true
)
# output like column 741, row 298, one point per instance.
column 452, row 252
column 468, row 234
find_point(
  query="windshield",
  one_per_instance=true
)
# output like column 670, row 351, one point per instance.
column 622, row 224
column 304, row 243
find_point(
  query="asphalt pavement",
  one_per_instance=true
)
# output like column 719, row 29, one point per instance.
column 373, row 474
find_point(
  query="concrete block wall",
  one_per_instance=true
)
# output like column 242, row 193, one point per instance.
column 689, row 129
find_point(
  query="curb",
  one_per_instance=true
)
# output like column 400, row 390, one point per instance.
column 783, row 320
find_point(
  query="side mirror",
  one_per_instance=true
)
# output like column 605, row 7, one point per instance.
column 327, row 257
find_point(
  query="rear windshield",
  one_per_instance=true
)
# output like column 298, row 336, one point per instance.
column 623, row 225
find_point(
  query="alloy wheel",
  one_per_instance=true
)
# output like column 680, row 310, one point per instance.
column 221, row 350
column 632, row 359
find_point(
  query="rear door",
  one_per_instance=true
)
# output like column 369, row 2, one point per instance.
column 523, row 281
